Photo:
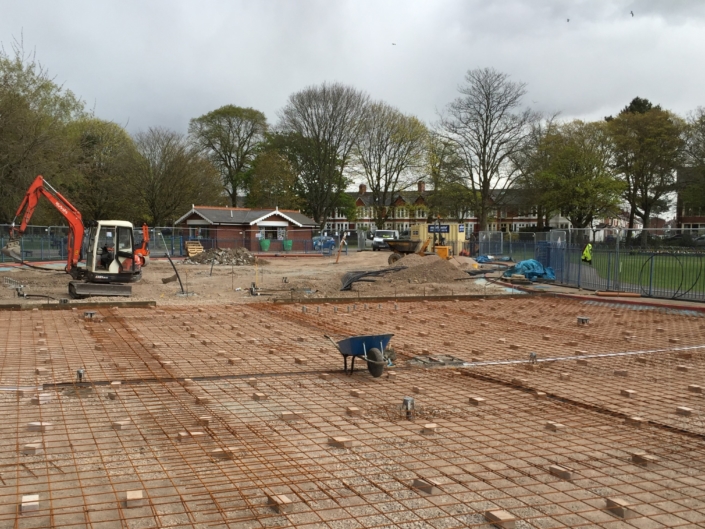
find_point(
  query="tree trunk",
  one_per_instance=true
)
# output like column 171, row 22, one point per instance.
column 632, row 212
column 644, row 232
column 539, row 220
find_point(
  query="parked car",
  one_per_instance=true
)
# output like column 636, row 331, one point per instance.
column 379, row 240
column 323, row 241
column 699, row 241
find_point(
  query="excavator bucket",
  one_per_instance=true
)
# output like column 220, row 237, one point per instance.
column 13, row 250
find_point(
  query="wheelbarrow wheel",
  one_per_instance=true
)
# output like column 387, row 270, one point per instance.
column 376, row 367
column 394, row 258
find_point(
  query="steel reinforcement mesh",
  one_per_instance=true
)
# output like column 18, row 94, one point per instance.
column 240, row 416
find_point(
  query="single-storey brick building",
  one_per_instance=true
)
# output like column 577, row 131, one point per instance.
column 226, row 227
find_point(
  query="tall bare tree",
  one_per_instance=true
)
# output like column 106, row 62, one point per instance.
column 321, row 125
column 488, row 127
column 389, row 151
column 170, row 175
column 230, row 136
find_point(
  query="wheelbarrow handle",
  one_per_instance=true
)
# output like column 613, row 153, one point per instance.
column 335, row 344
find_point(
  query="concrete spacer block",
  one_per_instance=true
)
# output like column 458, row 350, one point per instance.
column 157, row 345
column 325, row 376
column 115, row 384
column 280, row 502
column 540, row 395
column 687, row 355
column 356, row 393
column 353, row 411
column 502, row 340
column 419, row 390
column 565, row 376
column 259, row 396
column 641, row 359
column 203, row 399
column 300, row 361
column 620, row 373
column 561, row 472
column 634, row 421
column 476, row 401
column 223, row 453
column 40, row 426
column 619, row 507
column 32, row 449
column 290, row 416
column 695, row 388
column 134, row 498
column 113, row 395
column 572, row 343
column 684, row 411
column 300, row 339
column 122, row 424
column 674, row 340
column 514, row 346
column 42, row 398
column 252, row 382
column 519, row 381
column 392, row 375
column 188, row 382
column 426, row 485
column 554, row 426
column 29, row 503
column 501, row 518
column 430, row 428
column 204, row 420
column 682, row 368
column 582, row 362
column 206, row 341
column 580, row 352
column 342, row 442
column 48, row 360
column 234, row 361
column 423, row 334
column 629, row 393
column 644, row 459
column 546, row 337
column 98, row 347
column 220, row 353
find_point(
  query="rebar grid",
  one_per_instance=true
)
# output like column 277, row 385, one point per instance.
column 492, row 456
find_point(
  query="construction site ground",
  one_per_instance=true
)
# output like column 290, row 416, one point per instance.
column 221, row 414
column 283, row 278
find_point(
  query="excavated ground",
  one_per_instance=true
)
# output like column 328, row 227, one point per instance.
column 271, row 387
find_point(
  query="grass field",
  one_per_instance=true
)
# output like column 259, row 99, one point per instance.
column 652, row 272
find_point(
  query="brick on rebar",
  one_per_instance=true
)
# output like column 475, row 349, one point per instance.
column 684, row 411
column 634, row 421
column 476, row 401
column 134, row 498
column 683, row 368
column 342, row 442
column 356, row 393
column 426, row 485
column 694, row 388
column 644, row 459
column 280, row 502
column 501, row 518
column 32, row 449
column 39, row 426
column 29, row 503
column 259, row 396
column 122, row 424
column 430, row 428
column 619, row 507
column 554, row 426
column 353, row 411
column 629, row 393
column 325, row 376
column 561, row 472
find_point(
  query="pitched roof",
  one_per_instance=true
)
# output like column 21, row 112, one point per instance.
column 225, row 215
column 409, row 197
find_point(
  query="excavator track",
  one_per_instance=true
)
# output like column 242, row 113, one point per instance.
column 81, row 289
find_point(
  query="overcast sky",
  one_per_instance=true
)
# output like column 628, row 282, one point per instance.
column 161, row 63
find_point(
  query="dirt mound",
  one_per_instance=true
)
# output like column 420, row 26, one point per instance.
column 227, row 256
column 429, row 269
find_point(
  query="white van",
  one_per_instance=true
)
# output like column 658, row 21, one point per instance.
column 379, row 239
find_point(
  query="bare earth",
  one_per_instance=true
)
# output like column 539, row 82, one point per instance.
column 281, row 278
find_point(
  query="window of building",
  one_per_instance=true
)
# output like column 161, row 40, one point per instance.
column 401, row 213
column 421, row 213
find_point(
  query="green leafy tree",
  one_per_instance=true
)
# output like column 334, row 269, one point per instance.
column 451, row 197
column 230, row 136
column 576, row 174
column 272, row 182
column 648, row 149
column 318, row 129
column 691, row 177
column 34, row 113
column 103, row 154
column 389, row 152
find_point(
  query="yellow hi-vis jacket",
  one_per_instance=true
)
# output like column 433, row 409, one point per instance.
column 587, row 252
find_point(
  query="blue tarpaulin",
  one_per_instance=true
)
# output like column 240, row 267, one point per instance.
column 482, row 259
column 532, row 270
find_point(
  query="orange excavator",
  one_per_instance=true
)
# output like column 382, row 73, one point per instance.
column 111, row 257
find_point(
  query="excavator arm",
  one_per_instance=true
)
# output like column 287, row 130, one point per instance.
column 143, row 249
column 41, row 188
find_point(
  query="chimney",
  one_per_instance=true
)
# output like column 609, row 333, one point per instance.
column 422, row 186
column 363, row 189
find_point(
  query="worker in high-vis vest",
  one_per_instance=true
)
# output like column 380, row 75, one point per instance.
column 587, row 254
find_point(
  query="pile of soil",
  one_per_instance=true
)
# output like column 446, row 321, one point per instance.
column 227, row 256
column 428, row 269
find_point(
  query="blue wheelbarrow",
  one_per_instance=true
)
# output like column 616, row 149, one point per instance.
column 369, row 348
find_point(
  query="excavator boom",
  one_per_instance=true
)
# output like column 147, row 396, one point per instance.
column 41, row 188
